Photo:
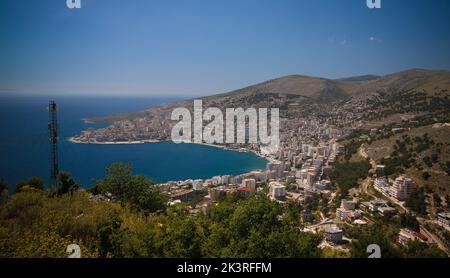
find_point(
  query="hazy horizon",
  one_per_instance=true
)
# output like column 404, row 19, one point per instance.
column 175, row 96
column 199, row 48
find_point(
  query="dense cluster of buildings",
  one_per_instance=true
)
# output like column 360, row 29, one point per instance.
column 299, row 170
column 303, row 164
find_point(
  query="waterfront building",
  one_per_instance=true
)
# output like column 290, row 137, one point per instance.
column 197, row 184
column 249, row 183
column 226, row 179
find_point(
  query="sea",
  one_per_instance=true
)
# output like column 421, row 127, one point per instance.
column 25, row 145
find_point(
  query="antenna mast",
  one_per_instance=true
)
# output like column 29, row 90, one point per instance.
column 53, row 128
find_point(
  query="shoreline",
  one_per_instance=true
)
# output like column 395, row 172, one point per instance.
column 74, row 141
column 241, row 150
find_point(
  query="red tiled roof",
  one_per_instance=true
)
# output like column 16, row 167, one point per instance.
column 422, row 237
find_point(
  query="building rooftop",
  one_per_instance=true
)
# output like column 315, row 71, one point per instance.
column 332, row 229
column 445, row 215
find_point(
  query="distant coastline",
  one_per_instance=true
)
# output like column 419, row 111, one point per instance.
column 73, row 140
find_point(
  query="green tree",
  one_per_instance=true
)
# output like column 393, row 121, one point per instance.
column 184, row 237
column 293, row 212
column 255, row 228
column 347, row 174
column 409, row 221
column 3, row 192
column 375, row 234
column 437, row 200
column 417, row 249
column 426, row 176
column 416, row 202
column 135, row 189
column 66, row 183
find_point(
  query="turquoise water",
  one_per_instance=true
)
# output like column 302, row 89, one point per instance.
column 25, row 149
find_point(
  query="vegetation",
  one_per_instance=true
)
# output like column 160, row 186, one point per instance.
column 37, row 223
column 416, row 202
column 388, row 103
column 347, row 174
column 409, row 221
column 66, row 184
column 34, row 183
column 385, row 236
column 421, row 153
column 136, row 190
column 3, row 192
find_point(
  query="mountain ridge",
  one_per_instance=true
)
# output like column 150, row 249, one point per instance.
column 296, row 88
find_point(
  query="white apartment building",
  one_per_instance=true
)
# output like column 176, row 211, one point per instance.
column 197, row 184
column 380, row 183
column 277, row 190
column 402, row 188
column 444, row 219
column 251, row 183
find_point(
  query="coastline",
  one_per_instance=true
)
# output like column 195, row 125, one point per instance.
column 73, row 140
column 241, row 150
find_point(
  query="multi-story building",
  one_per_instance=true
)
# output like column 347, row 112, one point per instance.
column 444, row 219
column 226, row 179
column 333, row 234
column 380, row 170
column 380, row 183
column 343, row 214
column 246, row 191
column 217, row 193
column 197, row 184
column 402, row 188
column 277, row 190
column 249, row 183
column 216, row 180
column 323, row 185
column 387, row 211
column 348, row 205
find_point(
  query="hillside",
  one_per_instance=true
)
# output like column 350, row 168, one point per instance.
column 364, row 101
column 322, row 90
column 423, row 153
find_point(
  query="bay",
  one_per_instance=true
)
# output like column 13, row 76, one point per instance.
column 25, row 147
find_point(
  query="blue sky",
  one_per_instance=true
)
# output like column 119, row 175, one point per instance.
column 196, row 47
